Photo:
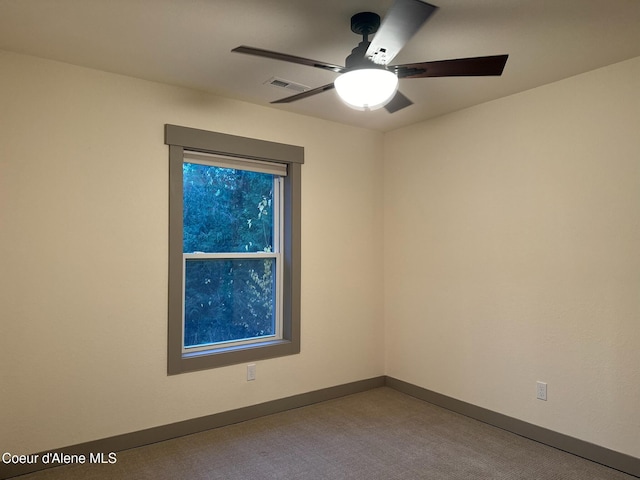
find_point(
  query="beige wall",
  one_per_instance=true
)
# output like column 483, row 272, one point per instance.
column 511, row 235
column 83, row 255
column 512, row 254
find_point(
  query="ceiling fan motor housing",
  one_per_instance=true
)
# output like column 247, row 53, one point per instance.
column 358, row 60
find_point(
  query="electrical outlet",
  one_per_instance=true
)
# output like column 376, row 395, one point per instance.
column 541, row 391
column 251, row 372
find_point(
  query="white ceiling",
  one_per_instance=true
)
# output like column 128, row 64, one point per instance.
column 189, row 42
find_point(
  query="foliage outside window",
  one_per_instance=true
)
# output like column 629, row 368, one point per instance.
column 234, row 259
column 231, row 228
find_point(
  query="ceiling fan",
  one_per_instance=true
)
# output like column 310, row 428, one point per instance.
column 367, row 80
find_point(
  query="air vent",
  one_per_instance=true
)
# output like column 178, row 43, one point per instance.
column 289, row 85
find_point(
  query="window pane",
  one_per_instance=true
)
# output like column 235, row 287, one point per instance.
column 229, row 299
column 226, row 210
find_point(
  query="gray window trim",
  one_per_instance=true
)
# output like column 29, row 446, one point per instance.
column 180, row 139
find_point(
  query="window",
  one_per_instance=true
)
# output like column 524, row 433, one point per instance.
column 234, row 249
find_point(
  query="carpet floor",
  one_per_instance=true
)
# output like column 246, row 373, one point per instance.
column 378, row 434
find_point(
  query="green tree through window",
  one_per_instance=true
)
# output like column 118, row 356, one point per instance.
column 226, row 212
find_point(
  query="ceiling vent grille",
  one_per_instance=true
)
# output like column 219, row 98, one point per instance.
column 289, row 85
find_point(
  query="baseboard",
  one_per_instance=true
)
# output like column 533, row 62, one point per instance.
column 166, row 432
column 619, row 461
column 610, row 458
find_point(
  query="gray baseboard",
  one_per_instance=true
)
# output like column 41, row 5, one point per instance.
column 610, row 458
column 166, row 432
column 604, row 456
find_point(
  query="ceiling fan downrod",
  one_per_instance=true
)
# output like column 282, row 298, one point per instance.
column 365, row 24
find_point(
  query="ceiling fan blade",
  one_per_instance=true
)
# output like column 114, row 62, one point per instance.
column 398, row 102
column 402, row 21
column 308, row 93
column 460, row 67
column 259, row 52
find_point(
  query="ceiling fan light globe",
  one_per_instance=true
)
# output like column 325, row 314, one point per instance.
column 367, row 88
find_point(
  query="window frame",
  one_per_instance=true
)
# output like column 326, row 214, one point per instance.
column 185, row 139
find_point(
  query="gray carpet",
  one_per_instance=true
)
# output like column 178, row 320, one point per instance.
column 378, row 434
